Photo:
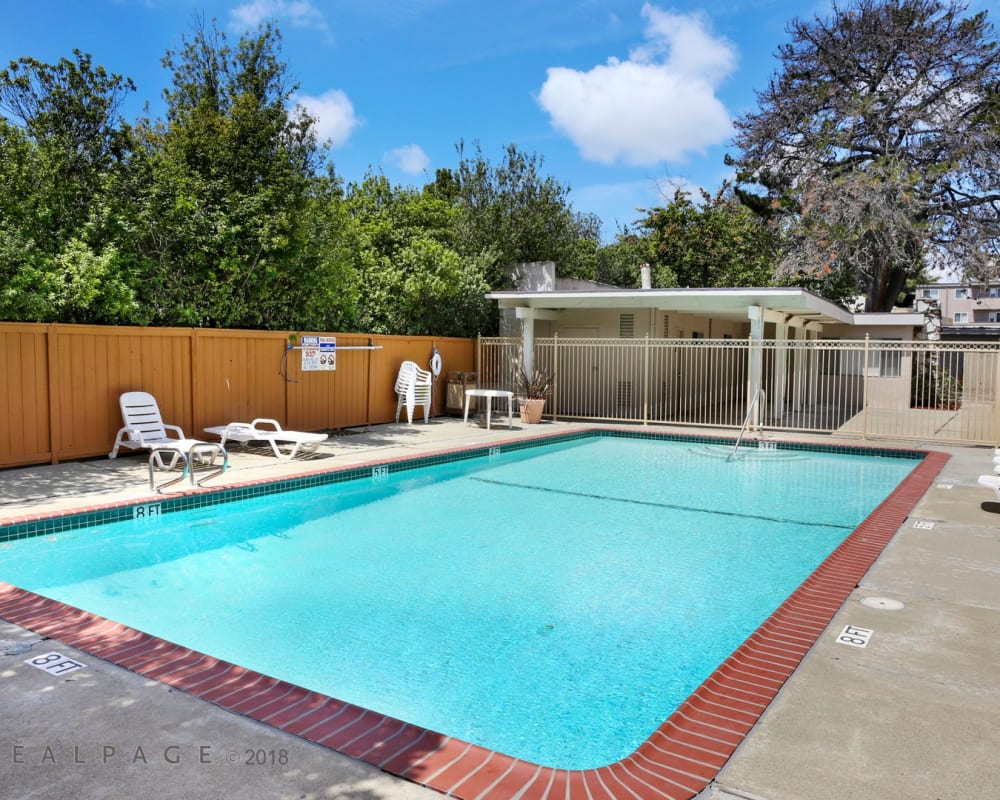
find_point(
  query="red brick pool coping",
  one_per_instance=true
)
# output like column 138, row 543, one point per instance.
column 677, row 761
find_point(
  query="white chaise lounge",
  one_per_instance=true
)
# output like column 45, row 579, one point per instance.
column 144, row 429
column 295, row 443
column 991, row 482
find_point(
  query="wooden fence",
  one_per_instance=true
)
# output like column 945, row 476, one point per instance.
column 61, row 383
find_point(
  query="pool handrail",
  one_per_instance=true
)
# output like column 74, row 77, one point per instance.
column 746, row 422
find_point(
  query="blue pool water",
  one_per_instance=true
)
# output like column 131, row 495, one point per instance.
column 555, row 603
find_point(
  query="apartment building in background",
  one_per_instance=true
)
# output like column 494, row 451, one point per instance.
column 961, row 304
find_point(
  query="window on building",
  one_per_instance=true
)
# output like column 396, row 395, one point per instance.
column 993, row 316
column 697, row 335
column 960, row 317
column 885, row 363
column 994, row 291
column 931, row 294
column 626, row 326
column 962, row 294
column 877, row 361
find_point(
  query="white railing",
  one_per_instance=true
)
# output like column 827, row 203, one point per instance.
column 871, row 389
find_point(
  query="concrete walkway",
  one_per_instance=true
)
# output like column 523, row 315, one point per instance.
column 914, row 714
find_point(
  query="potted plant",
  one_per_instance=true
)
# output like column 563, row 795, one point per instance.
column 532, row 390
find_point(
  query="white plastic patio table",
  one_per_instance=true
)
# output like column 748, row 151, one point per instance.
column 489, row 394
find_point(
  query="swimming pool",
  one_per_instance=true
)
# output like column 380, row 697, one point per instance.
column 448, row 518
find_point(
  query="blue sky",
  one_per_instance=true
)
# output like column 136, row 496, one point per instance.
column 622, row 99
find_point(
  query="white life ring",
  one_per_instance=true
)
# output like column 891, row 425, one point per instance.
column 436, row 363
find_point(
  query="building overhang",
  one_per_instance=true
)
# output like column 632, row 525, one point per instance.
column 909, row 319
column 796, row 307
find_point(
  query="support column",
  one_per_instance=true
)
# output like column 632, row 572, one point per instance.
column 780, row 369
column 528, row 343
column 755, row 369
column 800, row 369
column 528, row 317
column 813, row 331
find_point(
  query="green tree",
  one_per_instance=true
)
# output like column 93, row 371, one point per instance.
column 61, row 142
column 619, row 263
column 324, row 284
column 514, row 211
column 226, row 212
column 718, row 242
column 878, row 144
column 225, row 189
column 70, row 110
column 412, row 281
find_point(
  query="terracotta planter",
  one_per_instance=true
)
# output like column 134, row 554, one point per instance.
column 531, row 409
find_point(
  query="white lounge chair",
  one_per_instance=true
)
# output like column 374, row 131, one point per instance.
column 144, row 429
column 991, row 482
column 270, row 431
column 413, row 387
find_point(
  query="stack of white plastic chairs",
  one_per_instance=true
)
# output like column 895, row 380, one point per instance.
column 993, row 481
column 413, row 388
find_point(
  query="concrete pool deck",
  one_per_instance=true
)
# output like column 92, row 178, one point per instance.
column 915, row 714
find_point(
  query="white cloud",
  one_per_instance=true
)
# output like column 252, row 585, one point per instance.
column 411, row 159
column 334, row 115
column 658, row 105
column 686, row 44
column 298, row 13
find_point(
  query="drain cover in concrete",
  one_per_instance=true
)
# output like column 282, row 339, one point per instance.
column 883, row 603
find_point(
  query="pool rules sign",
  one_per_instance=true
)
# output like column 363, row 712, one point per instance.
column 319, row 353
